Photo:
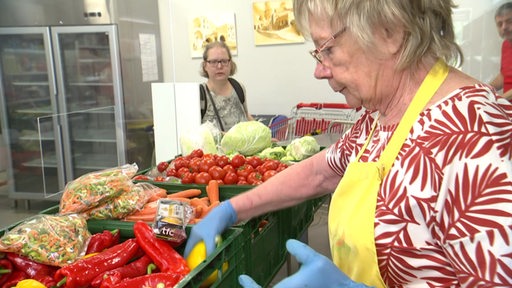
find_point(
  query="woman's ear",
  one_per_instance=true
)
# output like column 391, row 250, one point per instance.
column 390, row 39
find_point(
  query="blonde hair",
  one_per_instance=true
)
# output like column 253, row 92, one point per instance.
column 211, row 45
column 427, row 24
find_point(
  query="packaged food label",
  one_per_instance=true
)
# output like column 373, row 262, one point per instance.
column 171, row 218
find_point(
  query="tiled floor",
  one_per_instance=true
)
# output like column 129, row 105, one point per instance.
column 10, row 215
column 316, row 237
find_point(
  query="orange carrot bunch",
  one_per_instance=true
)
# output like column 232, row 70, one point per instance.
column 202, row 205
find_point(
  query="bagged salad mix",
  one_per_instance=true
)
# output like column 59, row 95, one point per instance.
column 95, row 188
column 126, row 203
column 55, row 240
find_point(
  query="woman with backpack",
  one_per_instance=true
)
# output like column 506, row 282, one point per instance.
column 223, row 99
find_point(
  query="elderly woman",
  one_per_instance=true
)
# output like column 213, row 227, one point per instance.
column 421, row 182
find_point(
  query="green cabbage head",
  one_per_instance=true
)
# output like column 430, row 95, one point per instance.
column 201, row 138
column 302, row 148
column 247, row 138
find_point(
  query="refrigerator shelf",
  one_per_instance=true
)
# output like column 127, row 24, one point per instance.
column 42, row 83
column 91, row 84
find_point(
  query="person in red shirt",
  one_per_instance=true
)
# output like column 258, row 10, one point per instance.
column 503, row 80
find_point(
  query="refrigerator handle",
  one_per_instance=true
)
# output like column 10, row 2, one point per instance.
column 52, row 75
column 60, row 160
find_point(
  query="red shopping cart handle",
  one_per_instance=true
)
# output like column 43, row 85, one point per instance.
column 318, row 106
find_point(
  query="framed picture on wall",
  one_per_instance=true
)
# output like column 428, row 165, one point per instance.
column 212, row 27
column 274, row 23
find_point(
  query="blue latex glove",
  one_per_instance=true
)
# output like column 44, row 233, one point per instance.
column 316, row 270
column 217, row 220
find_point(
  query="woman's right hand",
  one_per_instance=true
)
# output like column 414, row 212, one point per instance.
column 218, row 220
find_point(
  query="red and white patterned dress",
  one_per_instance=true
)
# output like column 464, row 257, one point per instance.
column 444, row 211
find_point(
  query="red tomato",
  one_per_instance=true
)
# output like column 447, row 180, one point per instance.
column 181, row 172
column 229, row 168
column 222, row 160
column 254, row 177
column 162, row 166
column 244, row 170
column 281, row 167
column 217, row 173
column 202, row 178
column 141, row 177
column 270, row 164
column 230, row 178
column 238, row 160
column 180, row 162
column 160, row 179
column 193, row 164
column 209, row 156
column 254, row 161
column 187, row 178
column 196, row 153
column 171, row 172
column 206, row 164
column 242, row 181
column 268, row 174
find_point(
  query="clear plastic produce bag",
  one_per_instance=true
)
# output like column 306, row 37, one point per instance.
column 95, row 188
column 49, row 239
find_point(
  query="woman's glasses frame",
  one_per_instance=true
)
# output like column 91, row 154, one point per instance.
column 214, row 63
column 317, row 53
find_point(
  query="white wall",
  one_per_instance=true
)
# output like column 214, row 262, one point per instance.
column 479, row 38
column 279, row 76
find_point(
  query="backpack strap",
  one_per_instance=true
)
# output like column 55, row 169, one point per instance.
column 238, row 89
column 203, row 100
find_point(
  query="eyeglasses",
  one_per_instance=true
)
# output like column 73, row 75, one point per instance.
column 223, row 62
column 317, row 53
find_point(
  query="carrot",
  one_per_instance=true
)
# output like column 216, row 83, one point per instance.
column 194, row 221
column 135, row 218
column 147, row 211
column 149, row 208
column 198, row 202
column 209, row 208
column 189, row 193
column 158, row 193
column 212, row 190
column 198, row 211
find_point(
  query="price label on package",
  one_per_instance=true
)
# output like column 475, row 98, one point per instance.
column 171, row 218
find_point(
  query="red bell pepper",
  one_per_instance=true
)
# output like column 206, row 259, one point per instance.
column 15, row 277
column 133, row 269
column 5, row 270
column 82, row 272
column 101, row 241
column 34, row 270
column 161, row 252
column 151, row 281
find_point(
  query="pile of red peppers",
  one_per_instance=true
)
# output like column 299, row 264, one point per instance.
column 143, row 261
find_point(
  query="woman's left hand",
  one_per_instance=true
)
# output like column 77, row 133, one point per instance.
column 316, row 270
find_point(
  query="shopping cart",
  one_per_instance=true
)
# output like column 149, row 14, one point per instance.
column 313, row 119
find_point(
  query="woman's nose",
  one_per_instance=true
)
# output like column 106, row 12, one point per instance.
column 322, row 71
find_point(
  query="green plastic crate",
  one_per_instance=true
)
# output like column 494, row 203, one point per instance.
column 298, row 218
column 264, row 246
column 231, row 250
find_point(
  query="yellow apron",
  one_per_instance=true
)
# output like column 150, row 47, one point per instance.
column 352, row 209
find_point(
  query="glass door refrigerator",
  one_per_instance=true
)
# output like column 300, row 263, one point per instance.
column 75, row 89
column 61, row 104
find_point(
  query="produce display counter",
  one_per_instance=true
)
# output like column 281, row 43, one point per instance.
column 255, row 247
column 230, row 251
